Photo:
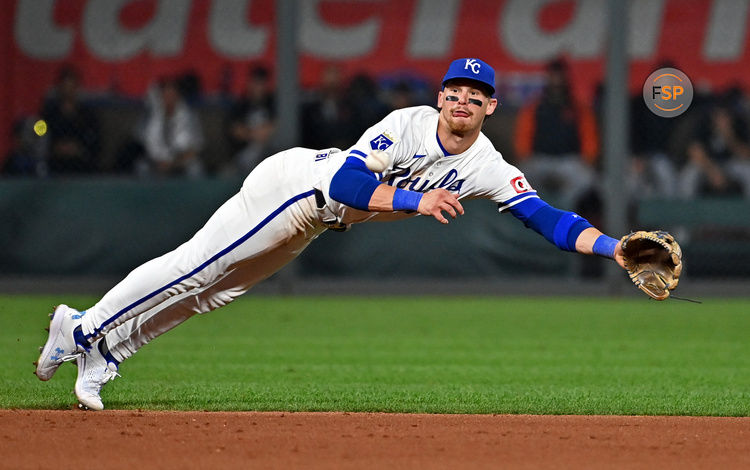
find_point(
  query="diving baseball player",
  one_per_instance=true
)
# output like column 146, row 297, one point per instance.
column 417, row 160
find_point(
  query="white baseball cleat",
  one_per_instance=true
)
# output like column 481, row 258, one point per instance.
column 93, row 372
column 60, row 346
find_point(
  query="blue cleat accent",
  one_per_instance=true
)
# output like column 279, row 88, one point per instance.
column 79, row 315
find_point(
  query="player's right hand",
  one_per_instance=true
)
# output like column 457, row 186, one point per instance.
column 438, row 200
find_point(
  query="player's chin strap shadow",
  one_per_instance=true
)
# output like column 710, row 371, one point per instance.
column 685, row 299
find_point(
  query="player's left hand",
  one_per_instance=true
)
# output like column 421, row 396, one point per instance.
column 653, row 260
column 620, row 255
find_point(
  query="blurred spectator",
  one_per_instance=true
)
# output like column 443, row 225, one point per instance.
column 252, row 121
column 719, row 155
column 405, row 88
column 365, row 105
column 325, row 115
column 172, row 135
column 73, row 130
column 653, row 169
column 401, row 95
column 556, row 139
column 190, row 87
column 22, row 158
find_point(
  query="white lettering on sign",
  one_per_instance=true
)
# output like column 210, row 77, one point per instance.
column 36, row 33
column 335, row 42
column 229, row 33
column 162, row 36
column 432, row 30
column 522, row 35
column 725, row 36
column 644, row 25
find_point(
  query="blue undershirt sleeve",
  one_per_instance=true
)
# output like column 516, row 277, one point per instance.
column 353, row 184
column 559, row 227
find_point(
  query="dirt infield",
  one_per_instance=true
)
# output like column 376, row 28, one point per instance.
column 171, row 440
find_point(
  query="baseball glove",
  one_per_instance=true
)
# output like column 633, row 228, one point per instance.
column 653, row 261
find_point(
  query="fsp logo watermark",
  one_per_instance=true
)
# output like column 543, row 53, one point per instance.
column 473, row 65
column 668, row 92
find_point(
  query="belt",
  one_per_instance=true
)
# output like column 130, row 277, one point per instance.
column 320, row 200
column 332, row 224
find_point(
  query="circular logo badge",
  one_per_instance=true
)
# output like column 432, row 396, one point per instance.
column 668, row 92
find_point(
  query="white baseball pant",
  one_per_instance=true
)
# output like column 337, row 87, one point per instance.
column 251, row 236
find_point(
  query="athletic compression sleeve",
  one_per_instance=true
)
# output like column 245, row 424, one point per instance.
column 559, row 227
column 353, row 184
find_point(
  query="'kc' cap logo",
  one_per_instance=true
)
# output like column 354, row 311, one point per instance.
column 668, row 92
column 473, row 65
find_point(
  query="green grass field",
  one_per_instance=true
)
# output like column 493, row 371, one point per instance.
column 428, row 354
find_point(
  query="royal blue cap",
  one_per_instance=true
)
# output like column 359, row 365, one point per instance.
column 472, row 69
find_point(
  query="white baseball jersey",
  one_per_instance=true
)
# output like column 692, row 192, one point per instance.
column 277, row 213
column 420, row 163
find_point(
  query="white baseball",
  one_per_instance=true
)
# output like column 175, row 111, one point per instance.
column 378, row 161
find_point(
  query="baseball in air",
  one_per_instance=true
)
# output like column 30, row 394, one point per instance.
column 378, row 161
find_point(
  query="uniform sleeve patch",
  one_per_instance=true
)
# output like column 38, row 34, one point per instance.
column 382, row 142
column 520, row 184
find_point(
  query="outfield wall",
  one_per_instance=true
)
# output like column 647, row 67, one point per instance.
column 104, row 227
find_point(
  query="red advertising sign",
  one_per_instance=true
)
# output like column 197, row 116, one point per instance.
column 123, row 45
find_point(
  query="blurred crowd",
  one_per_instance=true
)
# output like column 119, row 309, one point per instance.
column 555, row 140
column 703, row 152
column 180, row 131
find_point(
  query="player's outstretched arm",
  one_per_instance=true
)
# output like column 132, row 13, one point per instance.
column 567, row 230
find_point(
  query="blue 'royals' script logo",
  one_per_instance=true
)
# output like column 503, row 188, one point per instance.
column 402, row 180
column 381, row 142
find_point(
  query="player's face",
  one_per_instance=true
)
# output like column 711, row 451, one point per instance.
column 463, row 106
